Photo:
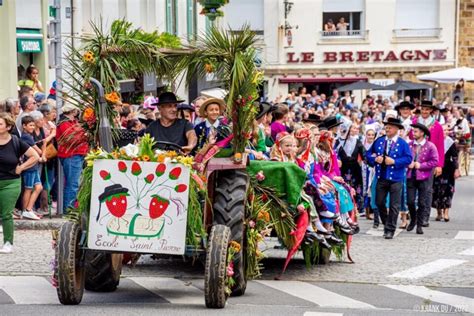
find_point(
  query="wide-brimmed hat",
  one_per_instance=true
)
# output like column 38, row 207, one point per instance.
column 312, row 118
column 422, row 127
column 68, row 107
column 185, row 106
column 330, row 122
column 206, row 103
column 394, row 121
column 167, row 98
column 111, row 190
column 429, row 104
column 405, row 104
column 263, row 108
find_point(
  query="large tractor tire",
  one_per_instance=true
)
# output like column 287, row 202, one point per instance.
column 69, row 268
column 230, row 197
column 216, row 265
column 103, row 271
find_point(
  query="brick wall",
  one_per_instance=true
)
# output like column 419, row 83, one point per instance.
column 466, row 42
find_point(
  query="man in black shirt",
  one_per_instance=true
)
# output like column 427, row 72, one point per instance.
column 169, row 128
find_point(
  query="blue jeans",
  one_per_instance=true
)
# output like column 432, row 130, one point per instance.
column 72, row 168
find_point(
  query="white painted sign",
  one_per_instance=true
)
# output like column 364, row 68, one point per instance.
column 138, row 206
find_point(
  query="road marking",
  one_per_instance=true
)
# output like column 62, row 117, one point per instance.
column 29, row 290
column 467, row 252
column 464, row 303
column 172, row 290
column 427, row 269
column 465, row 234
column 321, row 314
column 315, row 294
column 379, row 232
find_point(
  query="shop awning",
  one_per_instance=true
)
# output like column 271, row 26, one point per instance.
column 29, row 41
column 323, row 80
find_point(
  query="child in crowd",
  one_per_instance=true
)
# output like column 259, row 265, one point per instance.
column 212, row 126
column 285, row 148
column 31, row 178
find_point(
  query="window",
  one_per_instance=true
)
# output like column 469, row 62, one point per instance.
column 417, row 18
column 191, row 19
column 238, row 13
column 172, row 17
column 343, row 18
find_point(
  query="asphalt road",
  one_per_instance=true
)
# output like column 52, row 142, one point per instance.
column 430, row 274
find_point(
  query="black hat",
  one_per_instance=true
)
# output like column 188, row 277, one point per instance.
column 167, row 98
column 263, row 108
column 429, row 104
column 312, row 118
column 445, row 109
column 425, row 129
column 329, row 122
column 394, row 121
column 111, row 190
column 185, row 106
column 405, row 104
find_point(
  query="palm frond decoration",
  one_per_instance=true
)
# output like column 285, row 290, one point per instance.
column 230, row 56
column 121, row 52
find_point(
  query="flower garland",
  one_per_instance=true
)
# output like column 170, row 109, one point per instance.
column 234, row 247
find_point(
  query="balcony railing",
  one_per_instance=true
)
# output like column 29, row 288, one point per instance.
column 406, row 33
column 344, row 34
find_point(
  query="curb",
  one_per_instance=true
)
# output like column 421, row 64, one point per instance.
column 52, row 224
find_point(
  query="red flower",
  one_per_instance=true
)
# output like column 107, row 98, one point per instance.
column 160, row 169
column 180, row 188
column 149, row 178
column 175, row 173
column 104, row 174
column 122, row 166
column 136, row 170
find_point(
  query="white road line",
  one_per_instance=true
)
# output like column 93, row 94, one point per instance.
column 172, row 290
column 461, row 302
column 467, row 252
column 465, row 234
column 427, row 269
column 315, row 294
column 29, row 290
column 321, row 314
column 379, row 232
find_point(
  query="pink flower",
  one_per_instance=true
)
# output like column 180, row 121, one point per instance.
column 260, row 176
column 251, row 224
column 230, row 269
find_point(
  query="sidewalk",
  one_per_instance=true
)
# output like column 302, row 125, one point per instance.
column 42, row 224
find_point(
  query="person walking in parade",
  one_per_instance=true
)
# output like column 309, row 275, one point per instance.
column 425, row 159
column 436, row 137
column 391, row 156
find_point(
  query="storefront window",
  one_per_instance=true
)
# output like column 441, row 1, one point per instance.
column 343, row 18
column 408, row 22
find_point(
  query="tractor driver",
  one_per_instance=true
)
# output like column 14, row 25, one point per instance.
column 169, row 128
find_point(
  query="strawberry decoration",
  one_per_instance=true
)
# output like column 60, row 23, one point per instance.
column 149, row 178
column 180, row 188
column 160, row 169
column 104, row 174
column 122, row 166
column 158, row 206
column 175, row 173
column 136, row 170
column 115, row 197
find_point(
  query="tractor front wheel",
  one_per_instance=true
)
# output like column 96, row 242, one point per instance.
column 216, row 266
column 69, row 268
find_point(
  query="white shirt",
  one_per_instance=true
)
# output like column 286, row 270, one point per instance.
column 420, row 143
column 390, row 142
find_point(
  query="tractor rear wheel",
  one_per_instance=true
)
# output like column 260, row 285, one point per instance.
column 230, row 198
column 103, row 271
column 69, row 268
column 216, row 267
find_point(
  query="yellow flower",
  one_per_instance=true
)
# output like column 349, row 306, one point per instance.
column 112, row 97
column 88, row 57
column 264, row 215
column 160, row 158
column 146, row 158
column 235, row 245
column 258, row 77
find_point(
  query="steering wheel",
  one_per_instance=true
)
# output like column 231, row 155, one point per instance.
column 168, row 146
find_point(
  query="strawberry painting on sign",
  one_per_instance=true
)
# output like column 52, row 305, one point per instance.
column 137, row 202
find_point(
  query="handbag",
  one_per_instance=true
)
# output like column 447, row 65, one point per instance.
column 51, row 151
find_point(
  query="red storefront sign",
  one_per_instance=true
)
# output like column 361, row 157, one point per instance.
column 369, row 56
